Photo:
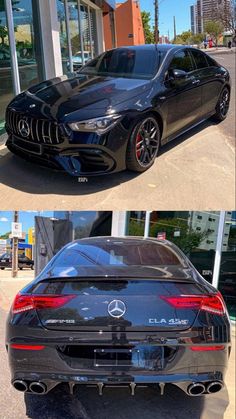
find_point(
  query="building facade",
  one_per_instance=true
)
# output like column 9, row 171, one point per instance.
column 128, row 25
column 41, row 39
column 205, row 10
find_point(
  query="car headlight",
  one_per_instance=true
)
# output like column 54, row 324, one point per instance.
column 99, row 125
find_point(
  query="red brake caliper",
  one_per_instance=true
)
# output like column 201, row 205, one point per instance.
column 138, row 145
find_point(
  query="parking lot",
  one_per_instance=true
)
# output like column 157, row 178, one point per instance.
column 201, row 160
column 115, row 403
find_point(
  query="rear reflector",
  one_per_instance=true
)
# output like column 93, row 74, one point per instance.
column 207, row 348
column 210, row 303
column 27, row 347
column 30, row 302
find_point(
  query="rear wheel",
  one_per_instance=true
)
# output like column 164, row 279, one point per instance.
column 144, row 144
column 222, row 106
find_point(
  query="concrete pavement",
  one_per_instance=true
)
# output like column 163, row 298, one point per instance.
column 115, row 404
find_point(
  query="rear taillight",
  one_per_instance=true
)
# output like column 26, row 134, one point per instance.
column 208, row 348
column 30, row 302
column 210, row 303
column 27, row 347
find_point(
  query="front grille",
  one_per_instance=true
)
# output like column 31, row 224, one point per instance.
column 40, row 130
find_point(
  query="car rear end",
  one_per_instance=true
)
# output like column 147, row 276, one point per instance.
column 119, row 331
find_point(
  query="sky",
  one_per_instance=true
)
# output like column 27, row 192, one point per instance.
column 26, row 218
column 167, row 9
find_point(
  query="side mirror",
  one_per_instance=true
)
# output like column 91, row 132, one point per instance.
column 179, row 74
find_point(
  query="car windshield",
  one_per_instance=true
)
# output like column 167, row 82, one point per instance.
column 116, row 253
column 125, row 62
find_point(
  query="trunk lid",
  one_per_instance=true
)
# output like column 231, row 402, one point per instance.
column 117, row 304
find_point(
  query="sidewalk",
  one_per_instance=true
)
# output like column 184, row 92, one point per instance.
column 220, row 50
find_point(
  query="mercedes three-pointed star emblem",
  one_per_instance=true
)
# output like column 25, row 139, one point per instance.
column 116, row 308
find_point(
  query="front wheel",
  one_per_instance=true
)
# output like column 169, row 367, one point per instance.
column 222, row 107
column 144, row 144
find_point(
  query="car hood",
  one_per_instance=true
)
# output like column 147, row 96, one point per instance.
column 62, row 97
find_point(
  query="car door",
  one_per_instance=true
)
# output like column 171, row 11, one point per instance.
column 183, row 99
column 210, row 76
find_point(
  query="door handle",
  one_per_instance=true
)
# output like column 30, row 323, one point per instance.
column 195, row 81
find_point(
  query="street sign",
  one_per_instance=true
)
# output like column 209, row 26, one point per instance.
column 16, row 230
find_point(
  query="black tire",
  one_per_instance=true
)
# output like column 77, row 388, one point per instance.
column 142, row 148
column 222, row 106
column 32, row 267
column 2, row 269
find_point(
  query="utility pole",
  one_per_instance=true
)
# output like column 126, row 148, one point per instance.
column 15, row 249
column 174, row 29
column 156, row 28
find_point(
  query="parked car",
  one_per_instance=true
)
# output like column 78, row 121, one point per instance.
column 119, row 311
column 78, row 61
column 118, row 110
column 23, row 261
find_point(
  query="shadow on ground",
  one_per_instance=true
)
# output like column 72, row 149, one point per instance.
column 119, row 404
column 27, row 177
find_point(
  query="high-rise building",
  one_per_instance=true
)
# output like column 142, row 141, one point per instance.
column 205, row 10
column 193, row 11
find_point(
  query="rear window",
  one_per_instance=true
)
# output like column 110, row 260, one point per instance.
column 116, row 254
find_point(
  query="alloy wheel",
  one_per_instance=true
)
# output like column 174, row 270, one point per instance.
column 147, row 142
column 224, row 103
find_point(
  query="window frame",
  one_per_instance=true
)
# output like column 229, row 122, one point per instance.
column 195, row 63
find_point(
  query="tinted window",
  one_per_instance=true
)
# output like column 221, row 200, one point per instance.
column 124, row 62
column 200, row 59
column 182, row 61
column 211, row 62
column 117, row 253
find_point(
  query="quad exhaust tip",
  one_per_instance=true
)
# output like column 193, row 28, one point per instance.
column 196, row 389
column 38, row 388
column 214, row 387
column 20, row 385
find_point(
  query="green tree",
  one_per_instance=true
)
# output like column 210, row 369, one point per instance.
column 214, row 29
column 148, row 32
column 187, row 240
column 197, row 39
column 5, row 236
column 3, row 34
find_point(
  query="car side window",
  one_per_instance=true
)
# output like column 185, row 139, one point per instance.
column 182, row 61
column 200, row 59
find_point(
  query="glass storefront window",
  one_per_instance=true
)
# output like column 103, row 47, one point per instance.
column 25, row 43
column 6, row 85
column 63, row 36
column 195, row 233
column 227, row 278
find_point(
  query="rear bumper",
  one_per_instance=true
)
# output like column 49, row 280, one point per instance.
column 182, row 368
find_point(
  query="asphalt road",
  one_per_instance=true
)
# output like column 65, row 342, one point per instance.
column 188, row 174
column 228, row 126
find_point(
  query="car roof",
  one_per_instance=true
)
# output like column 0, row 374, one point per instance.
column 159, row 47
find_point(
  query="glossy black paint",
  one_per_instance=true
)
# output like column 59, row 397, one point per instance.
column 83, row 352
column 178, row 105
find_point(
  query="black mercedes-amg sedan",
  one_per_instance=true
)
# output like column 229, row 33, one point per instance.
column 117, row 111
column 119, row 311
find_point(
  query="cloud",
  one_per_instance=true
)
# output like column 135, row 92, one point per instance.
column 4, row 219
